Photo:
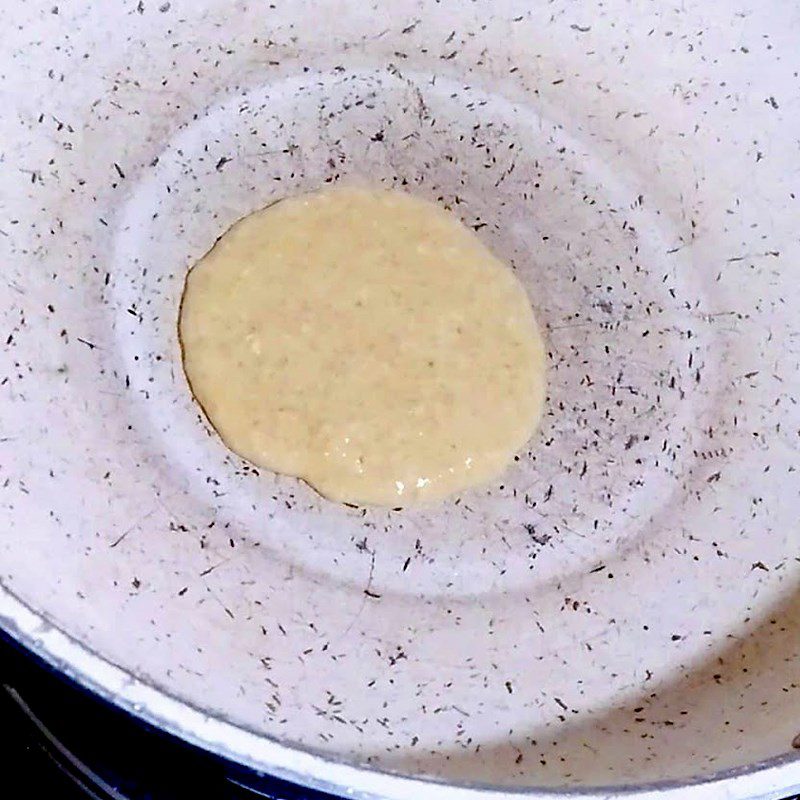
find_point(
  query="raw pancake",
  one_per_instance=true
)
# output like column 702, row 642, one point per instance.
column 365, row 341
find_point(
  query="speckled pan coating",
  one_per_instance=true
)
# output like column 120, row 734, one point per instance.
column 623, row 607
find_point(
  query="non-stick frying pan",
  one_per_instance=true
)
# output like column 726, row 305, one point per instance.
column 619, row 613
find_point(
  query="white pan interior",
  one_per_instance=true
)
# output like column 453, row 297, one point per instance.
column 622, row 607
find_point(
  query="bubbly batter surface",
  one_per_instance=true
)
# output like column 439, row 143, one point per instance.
column 365, row 341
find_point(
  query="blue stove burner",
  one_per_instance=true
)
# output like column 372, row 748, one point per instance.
column 71, row 745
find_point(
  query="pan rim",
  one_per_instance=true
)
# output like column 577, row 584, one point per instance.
column 305, row 766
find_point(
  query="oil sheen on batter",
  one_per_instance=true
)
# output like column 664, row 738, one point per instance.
column 365, row 341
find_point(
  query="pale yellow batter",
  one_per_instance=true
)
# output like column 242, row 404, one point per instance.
column 365, row 341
